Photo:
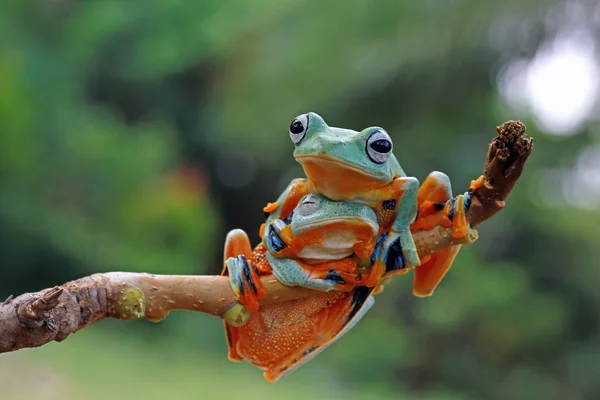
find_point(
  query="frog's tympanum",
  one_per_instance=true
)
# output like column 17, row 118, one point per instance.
column 340, row 231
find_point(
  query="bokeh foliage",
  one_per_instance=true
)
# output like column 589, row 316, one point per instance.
column 133, row 136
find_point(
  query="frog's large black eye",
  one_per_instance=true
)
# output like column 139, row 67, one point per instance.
column 298, row 128
column 379, row 146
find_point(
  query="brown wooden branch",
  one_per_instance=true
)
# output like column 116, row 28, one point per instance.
column 506, row 158
column 34, row 319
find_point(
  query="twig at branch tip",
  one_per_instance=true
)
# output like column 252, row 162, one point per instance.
column 506, row 158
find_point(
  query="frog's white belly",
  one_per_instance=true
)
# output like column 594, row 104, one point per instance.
column 334, row 247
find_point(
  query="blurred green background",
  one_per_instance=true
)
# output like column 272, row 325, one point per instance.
column 135, row 134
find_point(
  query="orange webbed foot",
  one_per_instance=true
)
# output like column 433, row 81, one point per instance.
column 433, row 197
column 245, row 282
column 459, row 217
column 243, row 274
column 429, row 274
column 477, row 183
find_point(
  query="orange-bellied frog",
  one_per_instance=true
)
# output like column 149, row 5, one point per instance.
column 323, row 244
column 325, row 239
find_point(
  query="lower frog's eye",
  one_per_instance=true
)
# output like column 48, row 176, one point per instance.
column 298, row 128
column 309, row 204
column 379, row 146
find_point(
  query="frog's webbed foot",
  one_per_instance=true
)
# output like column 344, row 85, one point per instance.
column 455, row 209
column 243, row 275
column 274, row 241
column 245, row 282
column 292, row 272
column 388, row 259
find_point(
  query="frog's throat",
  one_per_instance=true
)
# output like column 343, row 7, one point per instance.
column 307, row 161
column 354, row 220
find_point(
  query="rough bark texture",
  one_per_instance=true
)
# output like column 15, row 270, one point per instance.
column 34, row 319
column 506, row 159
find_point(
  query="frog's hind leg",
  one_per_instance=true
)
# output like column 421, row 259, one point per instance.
column 243, row 274
column 336, row 316
column 436, row 195
column 244, row 282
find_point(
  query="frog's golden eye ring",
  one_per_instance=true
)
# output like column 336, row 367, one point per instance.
column 379, row 146
column 298, row 128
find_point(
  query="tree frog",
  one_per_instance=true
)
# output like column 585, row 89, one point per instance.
column 315, row 244
column 324, row 239
column 325, row 243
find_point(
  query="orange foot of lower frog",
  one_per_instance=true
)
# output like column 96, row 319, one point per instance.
column 242, row 271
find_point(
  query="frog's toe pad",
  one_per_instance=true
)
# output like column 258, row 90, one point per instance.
column 458, row 216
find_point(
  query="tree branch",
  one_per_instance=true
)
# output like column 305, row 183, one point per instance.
column 34, row 319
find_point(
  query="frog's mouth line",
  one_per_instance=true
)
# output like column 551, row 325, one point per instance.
column 334, row 220
column 328, row 160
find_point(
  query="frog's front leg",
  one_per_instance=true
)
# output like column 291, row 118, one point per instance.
column 437, row 207
column 291, row 272
column 243, row 275
column 398, row 248
column 278, row 214
column 288, row 200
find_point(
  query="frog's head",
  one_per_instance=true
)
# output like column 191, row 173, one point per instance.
column 316, row 211
column 342, row 163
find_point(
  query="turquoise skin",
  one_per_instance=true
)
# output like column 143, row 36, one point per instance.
column 317, row 212
column 377, row 171
column 348, row 147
